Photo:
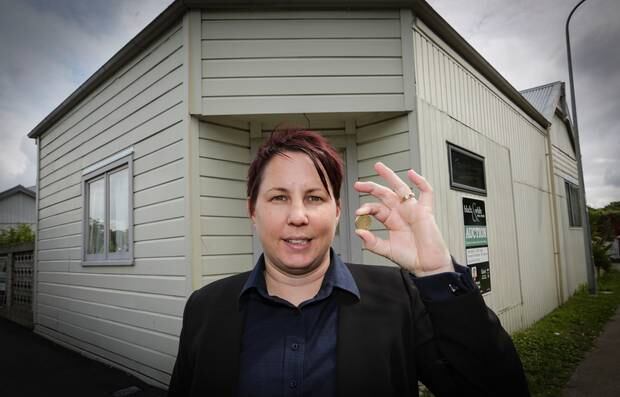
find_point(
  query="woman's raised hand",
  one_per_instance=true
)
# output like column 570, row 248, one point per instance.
column 414, row 241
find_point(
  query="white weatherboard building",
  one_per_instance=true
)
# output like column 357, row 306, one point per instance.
column 141, row 178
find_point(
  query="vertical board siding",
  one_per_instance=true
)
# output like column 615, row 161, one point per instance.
column 225, row 227
column 435, row 130
column 458, row 105
column 480, row 107
column 17, row 209
column 285, row 62
column 386, row 141
column 538, row 272
column 128, row 315
column 571, row 249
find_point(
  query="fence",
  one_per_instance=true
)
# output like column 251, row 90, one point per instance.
column 16, row 280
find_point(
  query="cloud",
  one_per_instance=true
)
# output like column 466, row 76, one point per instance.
column 612, row 175
column 48, row 50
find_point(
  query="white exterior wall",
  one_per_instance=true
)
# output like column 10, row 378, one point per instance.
column 572, row 250
column 225, row 154
column 386, row 141
column 455, row 103
column 301, row 62
column 226, row 232
column 126, row 315
column 19, row 208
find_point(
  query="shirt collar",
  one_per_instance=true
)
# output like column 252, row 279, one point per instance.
column 338, row 276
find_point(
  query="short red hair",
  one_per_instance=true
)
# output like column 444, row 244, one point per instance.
column 326, row 159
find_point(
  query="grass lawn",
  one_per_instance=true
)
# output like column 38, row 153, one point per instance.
column 552, row 348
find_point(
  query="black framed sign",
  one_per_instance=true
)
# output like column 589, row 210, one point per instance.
column 476, row 242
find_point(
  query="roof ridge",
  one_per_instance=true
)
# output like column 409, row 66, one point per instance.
column 542, row 86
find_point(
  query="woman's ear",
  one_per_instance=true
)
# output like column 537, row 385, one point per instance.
column 337, row 210
column 248, row 207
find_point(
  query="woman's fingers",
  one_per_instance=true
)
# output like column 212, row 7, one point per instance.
column 398, row 185
column 426, row 191
column 374, row 243
column 384, row 194
column 378, row 210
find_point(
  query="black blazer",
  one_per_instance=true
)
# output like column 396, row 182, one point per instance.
column 386, row 342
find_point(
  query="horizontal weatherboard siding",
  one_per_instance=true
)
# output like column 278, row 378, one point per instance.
column 226, row 242
column 282, row 62
column 386, row 141
column 127, row 315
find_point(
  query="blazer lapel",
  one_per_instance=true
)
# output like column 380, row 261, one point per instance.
column 223, row 353
column 350, row 346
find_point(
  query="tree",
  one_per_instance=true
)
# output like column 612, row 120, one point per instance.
column 15, row 236
column 605, row 226
column 605, row 222
column 600, row 254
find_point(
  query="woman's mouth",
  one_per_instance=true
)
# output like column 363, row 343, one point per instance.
column 298, row 242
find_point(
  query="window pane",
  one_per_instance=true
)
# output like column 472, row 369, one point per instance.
column 96, row 216
column 119, row 211
column 573, row 204
column 467, row 170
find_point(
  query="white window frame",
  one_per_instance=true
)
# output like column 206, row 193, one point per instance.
column 103, row 171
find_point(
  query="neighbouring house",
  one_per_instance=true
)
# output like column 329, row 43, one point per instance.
column 550, row 100
column 17, row 207
column 141, row 175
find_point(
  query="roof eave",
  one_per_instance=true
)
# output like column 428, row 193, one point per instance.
column 441, row 27
column 17, row 189
column 421, row 8
column 134, row 46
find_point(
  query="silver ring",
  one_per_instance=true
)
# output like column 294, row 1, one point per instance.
column 406, row 197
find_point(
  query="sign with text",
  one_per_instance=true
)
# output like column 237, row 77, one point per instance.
column 476, row 242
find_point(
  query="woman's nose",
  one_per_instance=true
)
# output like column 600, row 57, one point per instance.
column 297, row 213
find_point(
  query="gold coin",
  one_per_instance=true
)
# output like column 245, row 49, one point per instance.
column 363, row 222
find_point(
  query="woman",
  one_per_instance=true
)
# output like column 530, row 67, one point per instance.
column 304, row 323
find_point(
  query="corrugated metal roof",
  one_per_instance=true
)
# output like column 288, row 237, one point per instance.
column 545, row 98
column 17, row 189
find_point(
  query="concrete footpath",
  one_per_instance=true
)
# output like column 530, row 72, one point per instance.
column 599, row 373
column 31, row 365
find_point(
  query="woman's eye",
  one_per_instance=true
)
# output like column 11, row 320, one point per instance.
column 278, row 198
column 315, row 199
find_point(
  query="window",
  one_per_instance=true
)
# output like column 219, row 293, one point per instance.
column 466, row 170
column 108, row 221
column 572, row 202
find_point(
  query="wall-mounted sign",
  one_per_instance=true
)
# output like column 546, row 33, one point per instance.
column 476, row 243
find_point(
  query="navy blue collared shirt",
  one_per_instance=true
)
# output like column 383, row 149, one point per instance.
column 291, row 351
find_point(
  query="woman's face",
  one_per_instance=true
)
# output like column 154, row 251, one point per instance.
column 295, row 216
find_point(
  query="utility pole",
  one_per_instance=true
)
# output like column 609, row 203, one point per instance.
column 587, row 239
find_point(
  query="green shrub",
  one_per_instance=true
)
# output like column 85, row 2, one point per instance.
column 14, row 236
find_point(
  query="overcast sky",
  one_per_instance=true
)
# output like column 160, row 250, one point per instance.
column 50, row 47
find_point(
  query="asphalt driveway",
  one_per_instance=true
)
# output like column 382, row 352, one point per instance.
column 31, row 365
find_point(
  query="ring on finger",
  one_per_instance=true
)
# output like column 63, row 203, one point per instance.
column 407, row 196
